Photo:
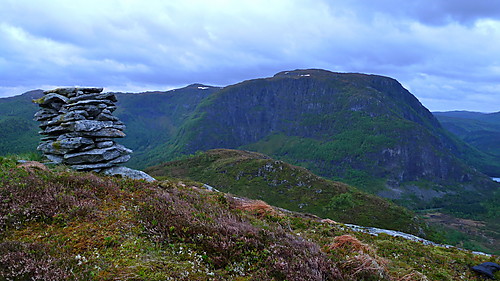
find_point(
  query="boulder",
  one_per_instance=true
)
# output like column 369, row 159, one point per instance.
column 92, row 156
column 128, row 173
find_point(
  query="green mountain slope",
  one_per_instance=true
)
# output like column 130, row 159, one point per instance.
column 152, row 118
column 480, row 130
column 366, row 130
column 63, row 225
column 257, row 176
column 18, row 130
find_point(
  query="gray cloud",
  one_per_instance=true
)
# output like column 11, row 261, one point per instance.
column 436, row 12
column 444, row 51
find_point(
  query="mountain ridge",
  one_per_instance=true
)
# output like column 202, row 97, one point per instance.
column 364, row 129
column 277, row 115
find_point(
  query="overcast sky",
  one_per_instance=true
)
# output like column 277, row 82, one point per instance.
column 446, row 52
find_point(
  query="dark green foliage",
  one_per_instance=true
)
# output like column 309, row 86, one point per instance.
column 153, row 118
column 18, row 130
column 366, row 130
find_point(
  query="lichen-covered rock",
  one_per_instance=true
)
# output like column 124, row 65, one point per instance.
column 80, row 128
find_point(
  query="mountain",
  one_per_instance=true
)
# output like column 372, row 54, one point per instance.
column 480, row 130
column 365, row 130
column 18, row 130
column 257, row 176
column 66, row 225
column 153, row 118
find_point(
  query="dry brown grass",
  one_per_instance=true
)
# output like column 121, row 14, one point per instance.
column 360, row 260
column 350, row 243
column 258, row 207
column 33, row 165
column 328, row 221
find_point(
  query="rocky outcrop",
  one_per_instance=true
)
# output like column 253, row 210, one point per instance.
column 80, row 129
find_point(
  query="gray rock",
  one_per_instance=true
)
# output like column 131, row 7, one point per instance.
column 91, row 90
column 64, row 144
column 45, row 114
column 49, row 148
column 94, row 96
column 88, row 147
column 57, row 130
column 80, row 128
column 106, row 117
column 47, row 138
column 55, row 158
column 103, row 103
column 64, row 118
column 73, row 142
column 92, row 156
column 63, row 91
column 104, row 144
column 128, row 173
column 106, row 132
column 95, row 166
column 94, row 125
column 103, row 139
column 53, row 100
column 120, row 160
column 123, row 149
column 91, row 110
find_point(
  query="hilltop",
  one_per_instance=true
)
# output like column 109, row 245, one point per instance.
column 64, row 225
column 258, row 176
column 365, row 130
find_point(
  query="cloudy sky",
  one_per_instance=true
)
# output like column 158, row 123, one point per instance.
column 446, row 52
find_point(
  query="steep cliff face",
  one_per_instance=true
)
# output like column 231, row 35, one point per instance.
column 354, row 127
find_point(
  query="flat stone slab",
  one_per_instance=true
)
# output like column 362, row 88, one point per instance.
column 128, row 173
column 93, row 156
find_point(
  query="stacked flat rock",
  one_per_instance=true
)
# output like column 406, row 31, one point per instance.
column 80, row 129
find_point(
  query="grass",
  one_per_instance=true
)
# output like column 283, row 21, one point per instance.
column 64, row 225
column 257, row 176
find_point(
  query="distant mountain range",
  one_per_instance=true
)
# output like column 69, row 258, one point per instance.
column 365, row 130
column 481, row 130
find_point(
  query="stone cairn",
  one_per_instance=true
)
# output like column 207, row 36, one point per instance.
column 80, row 129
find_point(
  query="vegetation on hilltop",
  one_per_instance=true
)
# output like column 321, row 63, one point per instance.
column 64, row 225
column 364, row 130
column 257, row 176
